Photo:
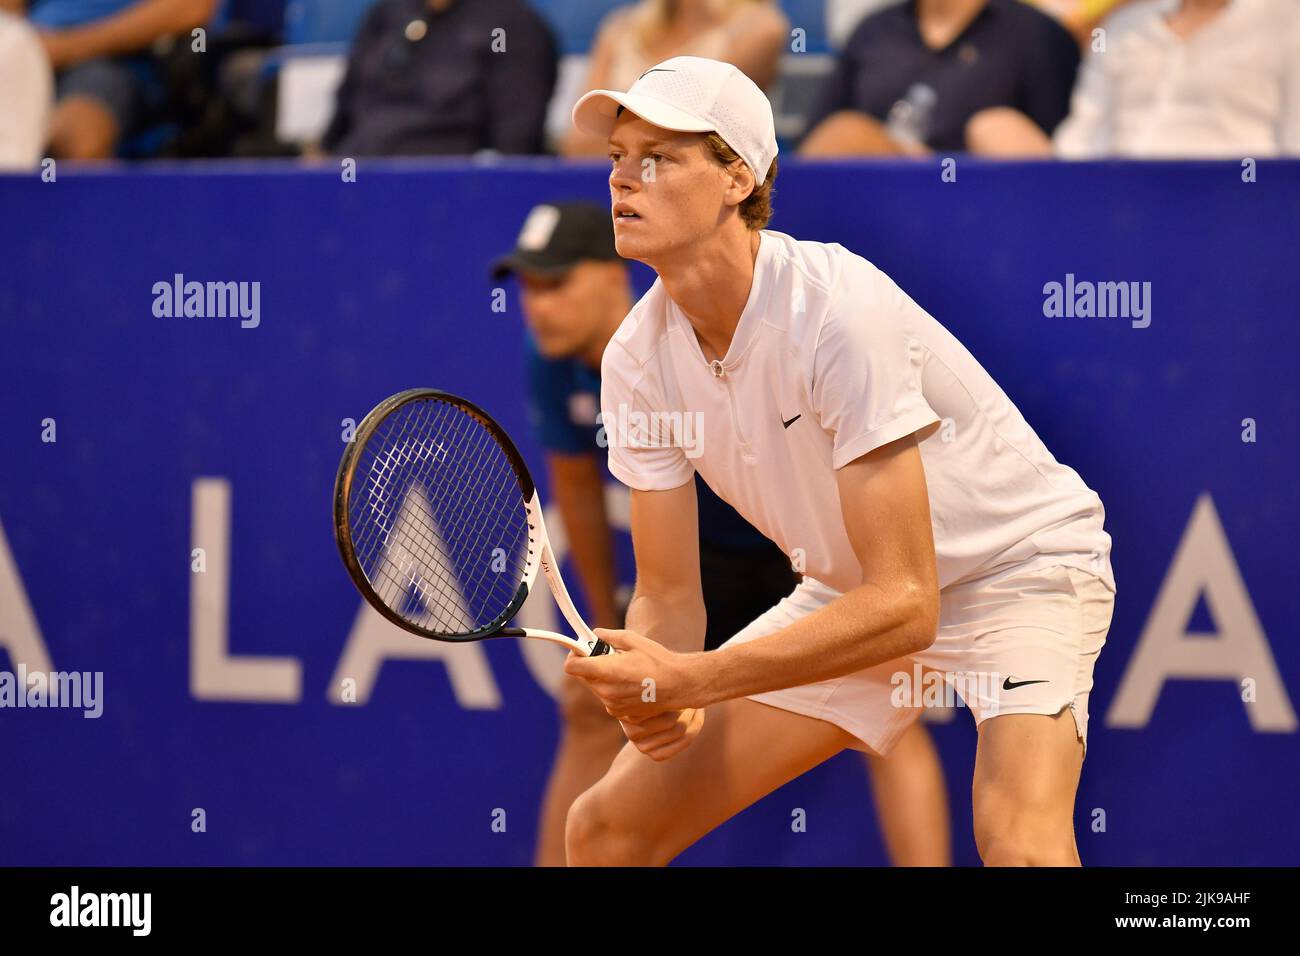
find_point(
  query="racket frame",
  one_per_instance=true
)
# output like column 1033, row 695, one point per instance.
column 540, row 556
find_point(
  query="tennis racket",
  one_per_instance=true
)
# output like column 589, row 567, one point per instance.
column 439, row 525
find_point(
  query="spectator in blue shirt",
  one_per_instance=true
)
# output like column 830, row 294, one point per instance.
column 105, row 83
column 575, row 292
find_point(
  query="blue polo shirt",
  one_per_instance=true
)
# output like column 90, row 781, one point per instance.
column 55, row 14
column 1009, row 55
column 563, row 402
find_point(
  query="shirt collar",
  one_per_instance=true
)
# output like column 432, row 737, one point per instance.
column 751, row 317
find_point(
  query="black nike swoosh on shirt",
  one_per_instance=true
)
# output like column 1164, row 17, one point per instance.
column 1008, row 685
column 785, row 424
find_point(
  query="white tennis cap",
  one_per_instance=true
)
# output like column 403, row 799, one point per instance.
column 692, row 94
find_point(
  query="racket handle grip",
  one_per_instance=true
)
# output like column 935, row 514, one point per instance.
column 600, row 648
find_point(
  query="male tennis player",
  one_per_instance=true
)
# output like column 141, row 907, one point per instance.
column 575, row 291
column 821, row 389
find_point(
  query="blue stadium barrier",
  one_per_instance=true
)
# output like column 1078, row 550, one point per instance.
column 810, row 17
column 323, row 21
column 174, row 434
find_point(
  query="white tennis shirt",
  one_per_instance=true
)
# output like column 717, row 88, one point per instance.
column 830, row 360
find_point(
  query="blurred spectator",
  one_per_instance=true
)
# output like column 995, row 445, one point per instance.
column 912, row 75
column 105, row 82
column 445, row 77
column 843, row 17
column 1077, row 16
column 750, row 34
column 25, row 95
column 1189, row 79
column 1080, row 17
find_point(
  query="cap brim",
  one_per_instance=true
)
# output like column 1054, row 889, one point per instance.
column 597, row 112
column 532, row 263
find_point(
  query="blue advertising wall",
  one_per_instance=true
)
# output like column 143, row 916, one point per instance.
column 373, row 286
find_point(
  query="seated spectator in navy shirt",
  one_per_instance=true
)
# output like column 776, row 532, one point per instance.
column 911, row 77
column 445, row 77
column 105, row 83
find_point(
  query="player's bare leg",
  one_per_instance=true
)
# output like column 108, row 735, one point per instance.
column 912, row 801
column 589, row 741
column 1026, row 775
column 645, row 812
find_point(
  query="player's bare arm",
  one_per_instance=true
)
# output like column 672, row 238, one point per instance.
column 894, row 612
column 579, row 490
column 668, row 604
column 665, row 622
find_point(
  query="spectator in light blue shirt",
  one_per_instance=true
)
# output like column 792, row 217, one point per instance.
column 105, row 84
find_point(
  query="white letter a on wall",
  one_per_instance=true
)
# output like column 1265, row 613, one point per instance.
column 1203, row 564
column 19, row 635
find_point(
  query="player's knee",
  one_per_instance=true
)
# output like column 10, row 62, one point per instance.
column 1025, row 845
column 595, row 836
column 583, row 713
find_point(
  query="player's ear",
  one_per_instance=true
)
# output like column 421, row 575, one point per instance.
column 742, row 182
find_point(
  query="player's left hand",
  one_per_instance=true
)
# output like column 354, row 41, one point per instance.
column 642, row 680
column 664, row 735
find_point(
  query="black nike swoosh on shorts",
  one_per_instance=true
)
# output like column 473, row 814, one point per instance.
column 786, row 424
column 1008, row 685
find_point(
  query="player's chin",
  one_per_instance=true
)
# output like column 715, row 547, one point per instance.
column 631, row 245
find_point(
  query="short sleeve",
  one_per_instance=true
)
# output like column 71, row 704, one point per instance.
column 641, row 432
column 866, row 387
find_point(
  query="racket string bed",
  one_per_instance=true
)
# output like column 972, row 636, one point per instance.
column 486, row 595
column 383, row 468
column 502, row 477
column 448, row 611
column 382, row 473
column 446, row 614
column 389, row 551
column 398, row 586
column 442, row 540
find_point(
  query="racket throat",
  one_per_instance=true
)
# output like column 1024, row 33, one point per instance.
column 588, row 642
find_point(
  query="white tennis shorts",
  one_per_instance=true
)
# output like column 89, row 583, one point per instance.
column 1022, row 640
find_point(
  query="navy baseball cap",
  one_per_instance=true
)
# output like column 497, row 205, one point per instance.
column 557, row 236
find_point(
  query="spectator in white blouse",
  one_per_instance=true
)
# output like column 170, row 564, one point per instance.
column 1177, row 79
column 26, row 94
